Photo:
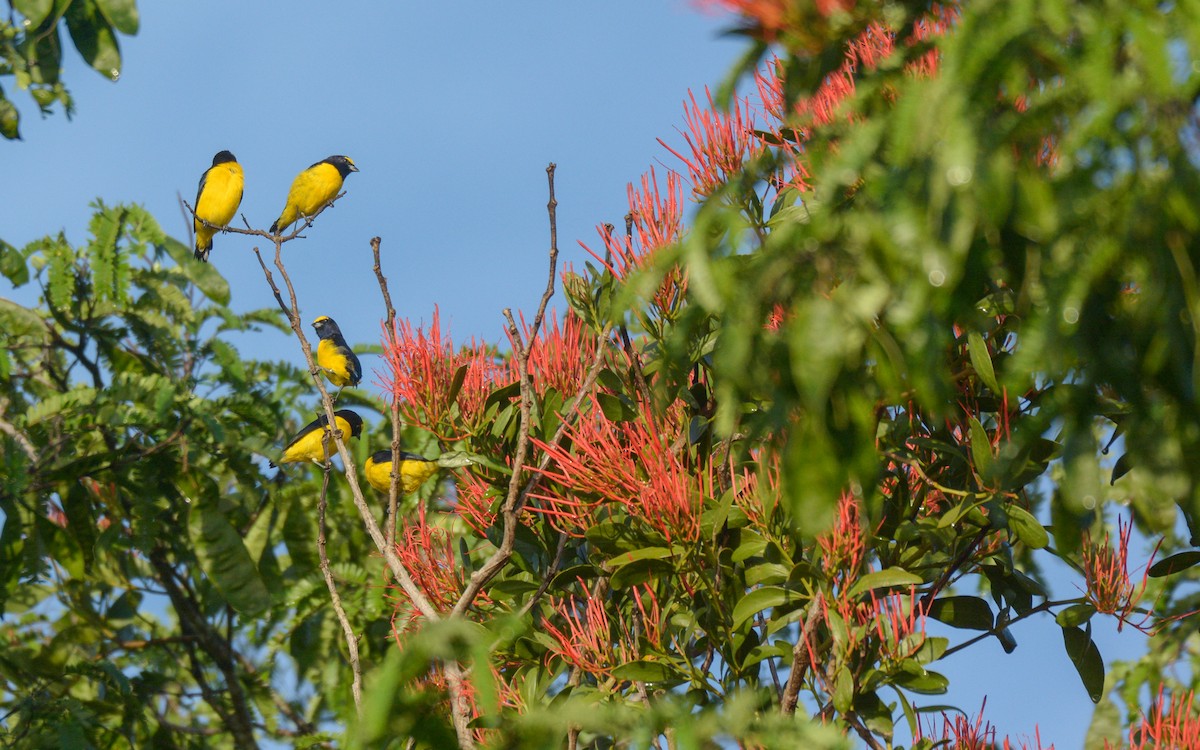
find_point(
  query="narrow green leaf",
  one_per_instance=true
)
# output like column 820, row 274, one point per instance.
column 1175, row 563
column 1022, row 523
column 10, row 120
column 205, row 276
column 122, row 14
column 882, row 579
column 645, row 670
column 94, row 38
column 1086, row 658
column 1075, row 615
column 843, row 690
column 927, row 683
column 759, row 599
column 615, row 408
column 969, row 612
column 35, row 11
column 225, row 559
column 981, row 447
column 456, row 384
column 981, row 361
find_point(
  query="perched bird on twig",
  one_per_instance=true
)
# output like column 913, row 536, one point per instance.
column 334, row 356
column 414, row 470
column 312, row 189
column 308, row 444
column 217, row 199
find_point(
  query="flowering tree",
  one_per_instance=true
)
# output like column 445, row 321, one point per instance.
column 847, row 371
column 767, row 444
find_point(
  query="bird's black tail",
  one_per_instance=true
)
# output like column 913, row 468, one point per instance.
column 202, row 252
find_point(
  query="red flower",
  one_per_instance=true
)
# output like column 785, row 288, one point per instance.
column 963, row 733
column 843, row 545
column 421, row 367
column 560, row 356
column 1170, row 725
column 1106, row 572
column 430, row 556
column 632, row 464
column 585, row 641
column 720, row 142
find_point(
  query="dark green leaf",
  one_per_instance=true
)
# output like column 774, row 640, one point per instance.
column 645, row 670
column 1075, row 615
column 1174, row 563
column 1026, row 527
column 882, row 579
column 122, row 14
column 10, row 120
column 35, row 11
column 94, row 38
column 982, row 361
column 968, row 612
column 225, row 559
column 759, row 599
column 1086, row 658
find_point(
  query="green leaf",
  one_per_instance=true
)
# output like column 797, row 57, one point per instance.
column 1086, row 658
column 205, row 276
column 645, row 670
column 759, row 599
column 969, row 612
column 925, row 683
column 981, row 361
column 94, row 38
column 1026, row 527
column 225, row 559
column 456, row 383
column 1075, row 615
column 883, row 579
column 981, row 447
column 122, row 14
column 615, row 408
column 1174, row 563
column 10, row 119
column 843, row 690
column 35, row 11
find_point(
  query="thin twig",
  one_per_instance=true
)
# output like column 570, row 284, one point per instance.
column 347, row 630
column 394, row 489
column 513, row 502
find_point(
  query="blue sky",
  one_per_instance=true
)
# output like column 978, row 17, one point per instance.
column 452, row 112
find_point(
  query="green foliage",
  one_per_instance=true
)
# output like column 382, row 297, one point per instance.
column 153, row 573
column 31, row 48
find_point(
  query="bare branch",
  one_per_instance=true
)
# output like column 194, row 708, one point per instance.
column 347, row 630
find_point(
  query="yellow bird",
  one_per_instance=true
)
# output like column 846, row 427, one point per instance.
column 308, row 444
column 217, row 200
column 414, row 470
column 312, row 189
column 340, row 364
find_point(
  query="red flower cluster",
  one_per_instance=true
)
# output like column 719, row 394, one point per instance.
column 1106, row 573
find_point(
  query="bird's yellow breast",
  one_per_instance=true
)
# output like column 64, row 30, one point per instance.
column 314, row 187
column 412, row 474
column 309, row 445
column 336, row 363
column 222, row 194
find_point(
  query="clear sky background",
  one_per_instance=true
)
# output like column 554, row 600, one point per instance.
column 452, row 112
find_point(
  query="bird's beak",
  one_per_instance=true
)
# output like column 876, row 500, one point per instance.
column 353, row 168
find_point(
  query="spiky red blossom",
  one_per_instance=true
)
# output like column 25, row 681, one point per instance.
column 1170, row 725
column 719, row 142
column 1106, row 573
column 560, row 355
column 421, row 366
column 475, row 501
column 964, row 733
column 586, row 639
column 632, row 464
column 843, row 546
column 430, row 556
column 657, row 220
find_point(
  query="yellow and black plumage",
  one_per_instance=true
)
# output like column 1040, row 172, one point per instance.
column 414, row 470
column 312, row 189
column 217, row 199
column 340, row 364
column 308, row 444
